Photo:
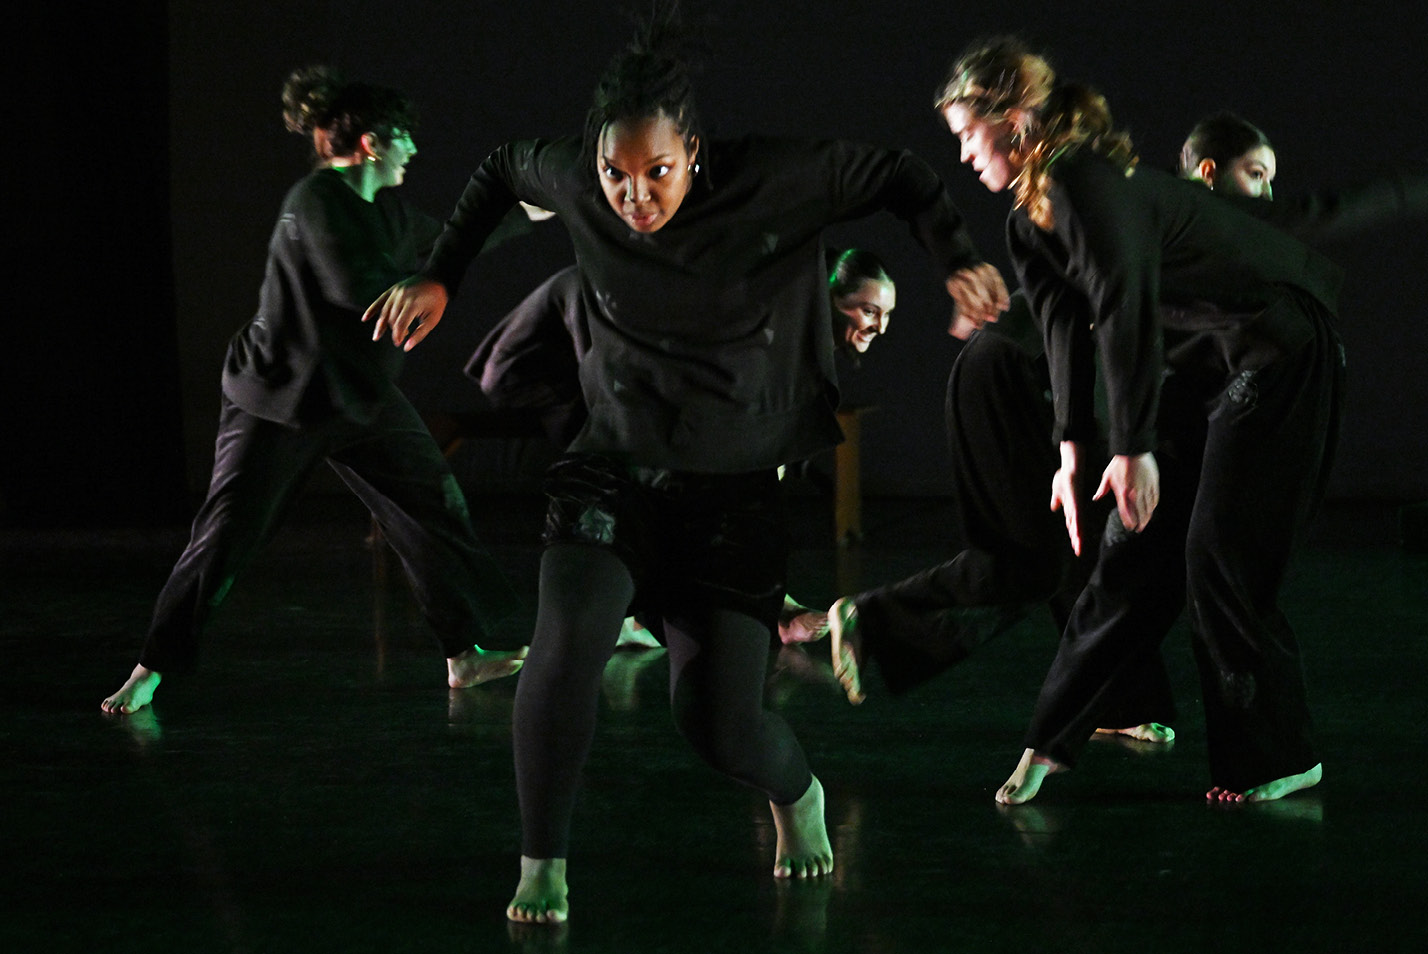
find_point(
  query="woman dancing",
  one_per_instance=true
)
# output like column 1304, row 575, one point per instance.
column 1002, row 460
column 710, row 364
column 303, row 383
column 1228, row 449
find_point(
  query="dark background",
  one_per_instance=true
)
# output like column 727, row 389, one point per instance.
column 148, row 161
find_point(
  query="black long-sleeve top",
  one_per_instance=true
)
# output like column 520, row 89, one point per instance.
column 306, row 355
column 711, row 347
column 1147, row 271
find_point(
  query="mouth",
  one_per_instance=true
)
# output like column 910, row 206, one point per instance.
column 641, row 221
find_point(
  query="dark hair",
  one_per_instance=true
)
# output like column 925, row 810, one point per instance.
column 1223, row 137
column 650, row 77
column 318, row 102
column 849, row 269
column 999, row 75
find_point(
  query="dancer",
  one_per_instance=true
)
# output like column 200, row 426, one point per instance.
column 710, row 364
column 531, row 361
column 1017, row 554
column 1228, row 450
column 303, row 383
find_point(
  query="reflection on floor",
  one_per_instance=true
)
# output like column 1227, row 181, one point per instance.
column 315, row 787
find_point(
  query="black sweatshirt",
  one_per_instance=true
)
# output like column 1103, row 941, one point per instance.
column 1147, row 271
column 306, row 355
column 710, row 340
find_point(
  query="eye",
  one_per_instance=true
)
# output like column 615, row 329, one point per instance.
column 611, row 173
column 659, row 172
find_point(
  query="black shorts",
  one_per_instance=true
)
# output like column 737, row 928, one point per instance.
column 706, row 541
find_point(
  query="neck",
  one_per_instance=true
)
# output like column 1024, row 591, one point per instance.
column 360, row 176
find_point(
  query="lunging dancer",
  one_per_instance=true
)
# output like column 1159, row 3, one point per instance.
column 1223, row 378
column 303, row 383
column 710, row 364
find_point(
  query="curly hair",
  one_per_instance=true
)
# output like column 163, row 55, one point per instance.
column 319, row 103
column 652, row 76
column 1055, row 118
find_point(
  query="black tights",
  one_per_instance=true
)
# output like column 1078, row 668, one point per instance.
column 717, row 663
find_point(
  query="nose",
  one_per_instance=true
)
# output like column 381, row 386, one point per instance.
column 1268, row 191
column 637, row 190
column 966, row 151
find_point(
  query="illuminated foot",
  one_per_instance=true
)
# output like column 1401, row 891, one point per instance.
column 799, row 624
column 635, row 636
column 803, row 849
column 1026, row 781
column 136, row 693
column 477, row 665
column 846, row 645
column 1145, row 732
column 541, row 895
column 1269, row 791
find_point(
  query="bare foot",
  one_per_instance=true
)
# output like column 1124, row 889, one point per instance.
column 1026, row 781
column 541, row 895
column 803, row 849
column 806, row 627
column 136, row 693
column 477, row 665
column 1269, row 791
column 635, row 636
column 1145, row 732
column 799, row 624
column 846, row 645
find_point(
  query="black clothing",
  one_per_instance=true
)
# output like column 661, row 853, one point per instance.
column 1016, row 554
column 1163, row 273
column 710, row 340
column 303, row 381
column 531, row 358
column 714, row 540
column 710, row 363
column 306, row 355
column 1143, row 273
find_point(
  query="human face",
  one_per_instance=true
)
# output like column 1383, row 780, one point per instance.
column 986, row 146
column 645, row 169
column 392, row 159
column 1251, row 174
column 866, row 310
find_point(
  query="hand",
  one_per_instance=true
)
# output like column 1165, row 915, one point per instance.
column 409, row 310
column 979, row 296
column 1135, row 480
column 1063, row 492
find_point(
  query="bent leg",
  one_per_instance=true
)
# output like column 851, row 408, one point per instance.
column 718, row 660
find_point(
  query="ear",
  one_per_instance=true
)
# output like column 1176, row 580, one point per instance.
column 693, row 149
column 1205, row 172
column 368, row 146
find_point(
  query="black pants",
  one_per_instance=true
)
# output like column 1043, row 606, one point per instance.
column 1239, row 485
column 704, row 554
column 999, row 425
column 391, row 463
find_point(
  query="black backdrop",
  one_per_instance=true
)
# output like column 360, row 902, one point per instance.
column 151, row 161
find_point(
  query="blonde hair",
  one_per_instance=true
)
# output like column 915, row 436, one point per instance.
column 1055, row 119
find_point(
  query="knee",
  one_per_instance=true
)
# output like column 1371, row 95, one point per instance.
column 720, row 738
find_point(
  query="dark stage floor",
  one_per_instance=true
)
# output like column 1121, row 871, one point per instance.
column 315, row 787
